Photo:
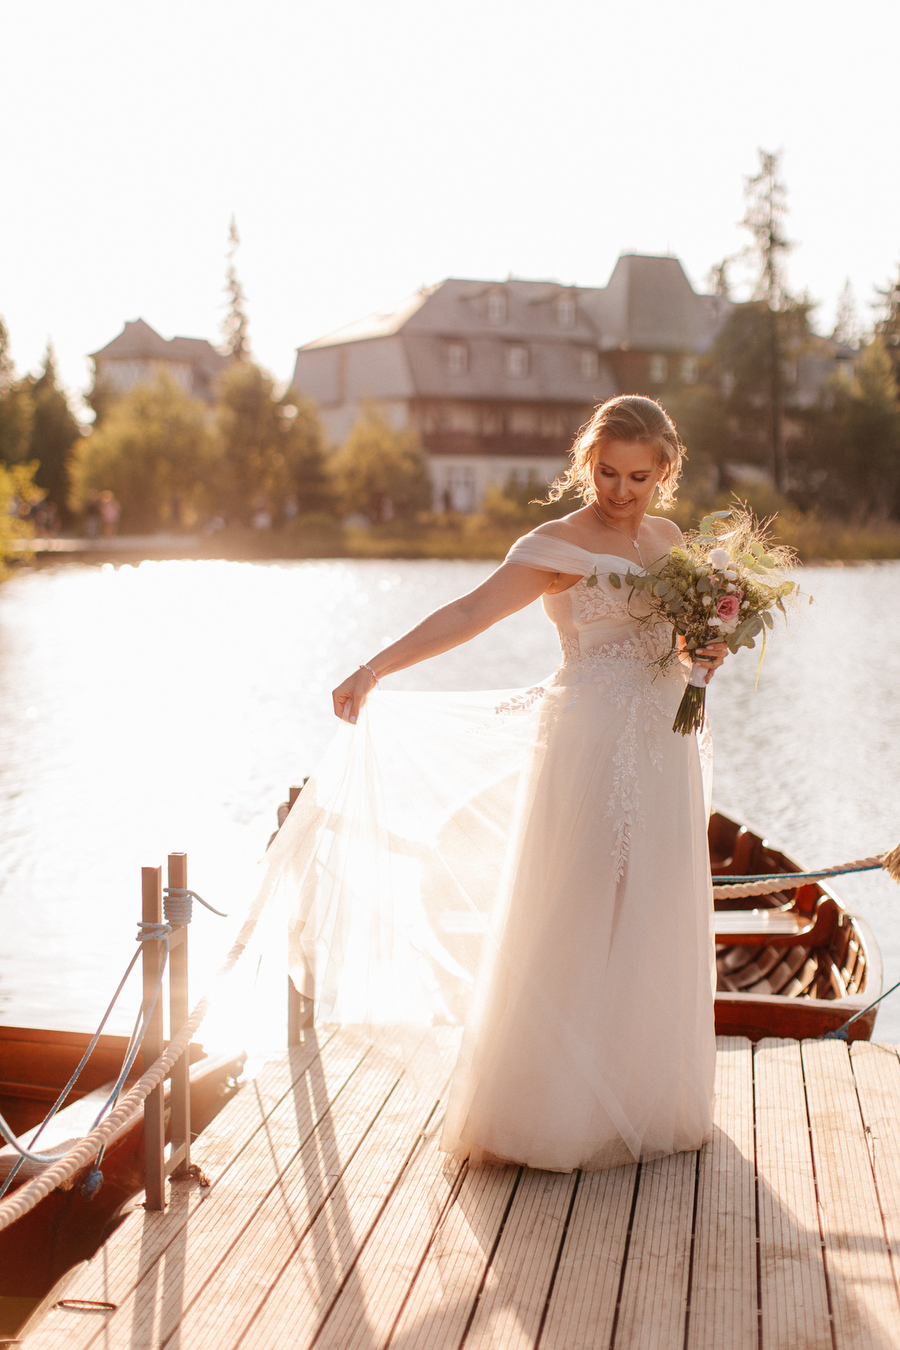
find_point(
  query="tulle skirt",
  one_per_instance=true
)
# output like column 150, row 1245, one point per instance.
column 531, row 867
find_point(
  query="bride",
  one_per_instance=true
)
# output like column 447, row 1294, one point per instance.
column 535, row 865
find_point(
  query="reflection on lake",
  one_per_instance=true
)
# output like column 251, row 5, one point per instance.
column 169, row 706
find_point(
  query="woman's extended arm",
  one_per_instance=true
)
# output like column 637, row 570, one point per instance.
column 510, row 588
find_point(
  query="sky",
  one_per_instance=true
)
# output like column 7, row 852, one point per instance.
column 369, row 147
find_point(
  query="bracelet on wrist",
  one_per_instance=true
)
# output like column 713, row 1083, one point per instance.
column 363, row 665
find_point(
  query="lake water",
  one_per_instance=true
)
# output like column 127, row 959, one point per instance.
column 168, row 707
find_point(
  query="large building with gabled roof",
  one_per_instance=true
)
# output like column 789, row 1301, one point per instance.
column 497, row 377
column 139, row 352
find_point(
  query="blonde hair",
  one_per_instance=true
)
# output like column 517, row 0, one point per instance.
column 630, row 418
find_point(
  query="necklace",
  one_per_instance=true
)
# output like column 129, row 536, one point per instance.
column 633, row 542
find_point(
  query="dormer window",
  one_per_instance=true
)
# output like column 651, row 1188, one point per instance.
column 457, row 358
column 659, row 369
column 566, row 311
column 517, row 361
column 588, row 363
column 496, row 307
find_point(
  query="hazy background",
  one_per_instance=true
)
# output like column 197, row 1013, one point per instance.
column 366, row 148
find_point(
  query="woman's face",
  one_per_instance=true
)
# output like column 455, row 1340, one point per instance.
column 625, row 475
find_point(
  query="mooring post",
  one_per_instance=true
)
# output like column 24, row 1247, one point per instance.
column 179, row 1010
column 154, row 1104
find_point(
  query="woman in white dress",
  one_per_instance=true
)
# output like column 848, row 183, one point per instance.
column 587, row 985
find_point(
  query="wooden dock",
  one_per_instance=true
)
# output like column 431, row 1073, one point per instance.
column 331, row 1219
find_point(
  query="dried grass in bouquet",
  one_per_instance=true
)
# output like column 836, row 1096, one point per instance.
column 720, row 585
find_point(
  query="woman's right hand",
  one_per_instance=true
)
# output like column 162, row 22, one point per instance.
column 350, row 696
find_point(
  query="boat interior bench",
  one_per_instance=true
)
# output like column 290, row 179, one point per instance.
column 780, row 926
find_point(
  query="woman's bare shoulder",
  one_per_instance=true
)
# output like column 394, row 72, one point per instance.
column 665, row 530
column 569, row 528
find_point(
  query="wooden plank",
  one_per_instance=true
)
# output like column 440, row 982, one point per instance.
column 582, row 1306
column 221, row 1271
column 723, row 1294
column 758, row 925
column 793, row 1292
column 518, row 1281
column 305, row 1269
column 864, row 1300
column 447, row 1285
column 876, row 1069
column 264, row 1118
column 373, row 1295
column 654, row 1292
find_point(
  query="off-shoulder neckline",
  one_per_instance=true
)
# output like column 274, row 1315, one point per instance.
column 568, row 543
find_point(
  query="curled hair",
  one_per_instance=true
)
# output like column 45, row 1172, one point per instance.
column 630, row 418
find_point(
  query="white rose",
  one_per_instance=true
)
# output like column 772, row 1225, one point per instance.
column 718, row 557
column 707, row 599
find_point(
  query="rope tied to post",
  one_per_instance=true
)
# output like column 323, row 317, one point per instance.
column 178, row 905
column 178, row 913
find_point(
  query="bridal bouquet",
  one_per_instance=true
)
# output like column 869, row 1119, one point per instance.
column 721, row 585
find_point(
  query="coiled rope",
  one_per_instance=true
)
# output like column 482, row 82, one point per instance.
column 14, row 1206
column 764, row 883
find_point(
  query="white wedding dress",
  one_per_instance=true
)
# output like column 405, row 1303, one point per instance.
column 532, row 866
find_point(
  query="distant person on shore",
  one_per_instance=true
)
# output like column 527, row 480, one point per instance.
column 92, row 516
column 110, row 511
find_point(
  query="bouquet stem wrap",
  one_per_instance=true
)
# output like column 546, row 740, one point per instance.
column 691, row 713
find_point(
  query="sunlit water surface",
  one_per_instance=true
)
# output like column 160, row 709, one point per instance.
column 169, row 706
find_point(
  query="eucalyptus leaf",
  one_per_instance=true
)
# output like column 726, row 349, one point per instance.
column 614, row 580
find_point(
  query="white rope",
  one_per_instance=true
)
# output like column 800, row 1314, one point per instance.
column 772, row 886
column 17, row 1204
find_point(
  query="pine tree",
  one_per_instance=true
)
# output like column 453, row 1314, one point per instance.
column 54, row 431
column 887, row 326
column 846, row 320
column 16, row 408
column 236, row 328
column 766, row 197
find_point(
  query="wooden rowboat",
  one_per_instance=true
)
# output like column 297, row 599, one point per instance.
column 795, row 963
column 66, row 1226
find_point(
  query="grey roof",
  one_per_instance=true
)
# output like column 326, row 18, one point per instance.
column 458, row 308
column 138, row 340
column 649, row 304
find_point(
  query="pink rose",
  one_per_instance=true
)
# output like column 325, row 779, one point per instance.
column 728, row 607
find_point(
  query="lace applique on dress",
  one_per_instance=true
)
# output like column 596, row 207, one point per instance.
column 521, row 702
column 591, row 601
column 642, row 699
column 643, row 705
